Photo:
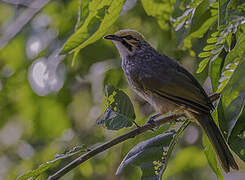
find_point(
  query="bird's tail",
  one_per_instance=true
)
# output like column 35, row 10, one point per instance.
column 221, row 148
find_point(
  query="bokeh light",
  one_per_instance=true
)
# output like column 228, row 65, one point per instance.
column 47, row 75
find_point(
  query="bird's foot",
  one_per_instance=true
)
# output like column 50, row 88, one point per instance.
column 153, row 123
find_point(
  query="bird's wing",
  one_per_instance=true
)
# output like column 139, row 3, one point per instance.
column 174, row 83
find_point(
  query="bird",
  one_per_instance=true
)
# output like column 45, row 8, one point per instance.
column 168, row 87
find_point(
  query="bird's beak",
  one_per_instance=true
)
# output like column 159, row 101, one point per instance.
column 113, row 37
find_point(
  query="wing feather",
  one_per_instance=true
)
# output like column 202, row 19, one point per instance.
column 176, row 84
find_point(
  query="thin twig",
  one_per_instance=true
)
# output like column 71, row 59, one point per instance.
column 13, row 29
column 115, row 141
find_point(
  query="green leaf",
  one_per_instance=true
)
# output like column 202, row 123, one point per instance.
column 211, row 157
column 83, row 13
column 233, row 100
column 233, row 112
column 200, row 32
column 210, row 153
column 237, row 137
column 217, row 50
column 89, row 26
column 115, row 77
column 102, row 14
column 183, row 19
column 203, row 64
column 215, row 72
column 215, row 34
column 212, row 40
column 74, row 57
column 209, row 47
column 47, row 165
column 119, row 112
column 221, row 40
column 201, row 14
column 223, row 11
column 190, row 13
column 231, row 61
column 204, row 54
column 238, row 51
column 211, row 57
column 152, row 155
column 161, row 10
column 228, row 39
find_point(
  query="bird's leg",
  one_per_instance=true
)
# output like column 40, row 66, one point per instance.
column 152, row 122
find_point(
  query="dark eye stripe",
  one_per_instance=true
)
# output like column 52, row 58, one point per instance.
column 127, row 45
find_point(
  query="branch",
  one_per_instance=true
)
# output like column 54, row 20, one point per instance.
column 21, row 21
column 117, row 140
column 18, row 2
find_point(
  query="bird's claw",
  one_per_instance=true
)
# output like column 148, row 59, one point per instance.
column 153, row 123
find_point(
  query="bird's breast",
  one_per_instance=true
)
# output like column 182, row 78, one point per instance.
column 135, row 73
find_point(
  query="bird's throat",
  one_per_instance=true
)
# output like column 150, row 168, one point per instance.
column 123, row 50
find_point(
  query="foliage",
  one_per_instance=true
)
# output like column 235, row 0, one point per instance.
column 101, row 15
column 119, row 112
column 35, row 127
column 233, row 108
column 161, row 10
column 152, row 155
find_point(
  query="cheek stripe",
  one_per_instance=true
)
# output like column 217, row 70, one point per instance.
column 127, row 45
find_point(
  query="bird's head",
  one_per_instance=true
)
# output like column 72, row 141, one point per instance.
column 127, row 41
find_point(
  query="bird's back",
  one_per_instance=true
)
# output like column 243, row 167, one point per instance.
column 163, row 82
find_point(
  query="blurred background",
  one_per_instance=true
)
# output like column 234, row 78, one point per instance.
column 48, row 106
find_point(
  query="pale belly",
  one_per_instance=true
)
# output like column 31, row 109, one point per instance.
column 160, row 104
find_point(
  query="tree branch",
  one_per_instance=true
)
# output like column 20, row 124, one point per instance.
column 117, row 140
column 21, row 21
